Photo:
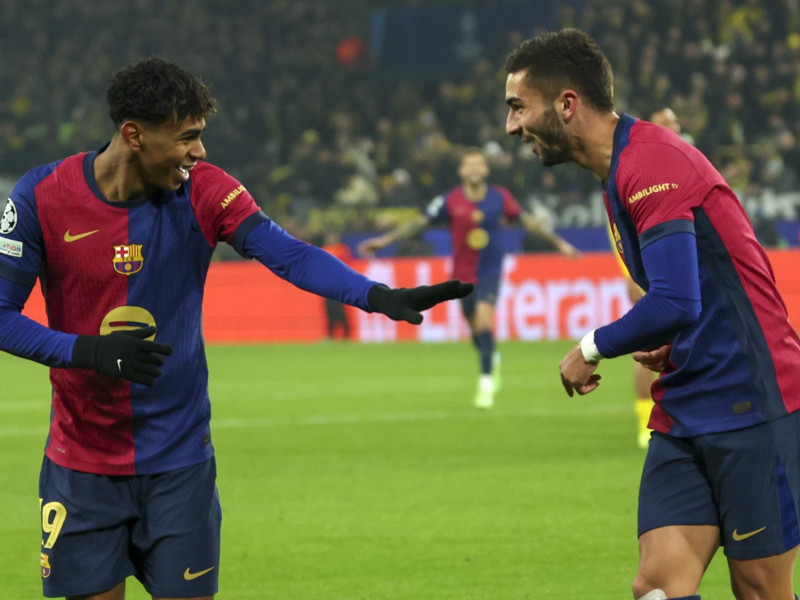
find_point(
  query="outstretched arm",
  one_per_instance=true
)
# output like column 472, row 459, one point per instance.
column 408, row 229
column 539, row 228
column 316, row 271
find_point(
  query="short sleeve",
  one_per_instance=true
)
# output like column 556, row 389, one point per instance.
column 658, row 183
column 220, row 202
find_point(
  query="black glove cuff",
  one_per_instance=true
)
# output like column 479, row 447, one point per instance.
column 85, row 351
column 377, row 297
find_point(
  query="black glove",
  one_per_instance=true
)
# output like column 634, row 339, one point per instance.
column 405, row 304
column 122, row 355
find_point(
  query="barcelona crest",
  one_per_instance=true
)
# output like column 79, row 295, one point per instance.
column 44, row 562
column 617, row 239
column 128, row 259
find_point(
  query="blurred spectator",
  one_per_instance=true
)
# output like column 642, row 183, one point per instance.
column 397, row 190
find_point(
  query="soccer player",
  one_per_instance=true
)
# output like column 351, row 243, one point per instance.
column 723, row 464
column 121, row 239
column 476, row 212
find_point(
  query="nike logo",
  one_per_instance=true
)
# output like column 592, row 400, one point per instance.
column 119, row 364
column 188, row 575
column 738, row 537
column 68, row 237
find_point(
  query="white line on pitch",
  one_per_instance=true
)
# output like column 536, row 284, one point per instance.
column 410, row 417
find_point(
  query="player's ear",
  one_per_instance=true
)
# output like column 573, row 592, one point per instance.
column 131, row 133
column 566, row 104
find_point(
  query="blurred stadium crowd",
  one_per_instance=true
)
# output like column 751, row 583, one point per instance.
column 327, row 140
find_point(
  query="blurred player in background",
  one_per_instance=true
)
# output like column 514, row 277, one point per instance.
column 122, row 238
column 723, row 464
column 476, row 212
column 666, row 117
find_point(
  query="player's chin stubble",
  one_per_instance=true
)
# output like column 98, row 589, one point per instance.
column 554, row 142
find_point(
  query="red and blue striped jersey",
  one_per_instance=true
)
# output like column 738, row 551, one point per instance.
column 475, row 229
column 737, row 365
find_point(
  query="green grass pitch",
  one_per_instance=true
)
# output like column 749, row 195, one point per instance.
column 362, row 472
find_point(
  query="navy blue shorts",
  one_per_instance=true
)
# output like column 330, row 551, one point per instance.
column 746, row 482
column 97, row 530
column 485, row 291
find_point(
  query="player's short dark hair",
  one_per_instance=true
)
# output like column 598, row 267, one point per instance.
column 563, row 59
column 154, row 90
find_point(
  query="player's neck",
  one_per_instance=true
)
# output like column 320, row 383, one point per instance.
column 595, row 147
column 115, row 175
column 475, row 192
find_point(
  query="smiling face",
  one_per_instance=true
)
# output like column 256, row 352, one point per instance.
column 535, row 121
column 167, row 152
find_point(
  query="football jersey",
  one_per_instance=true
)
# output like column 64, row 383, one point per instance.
column 475, row 229
column 738, row 364
column 109, row 266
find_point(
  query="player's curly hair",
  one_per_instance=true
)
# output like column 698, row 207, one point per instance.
column 564, row 59
column 154, row 90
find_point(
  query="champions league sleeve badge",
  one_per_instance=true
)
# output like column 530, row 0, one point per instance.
column 9, row 219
